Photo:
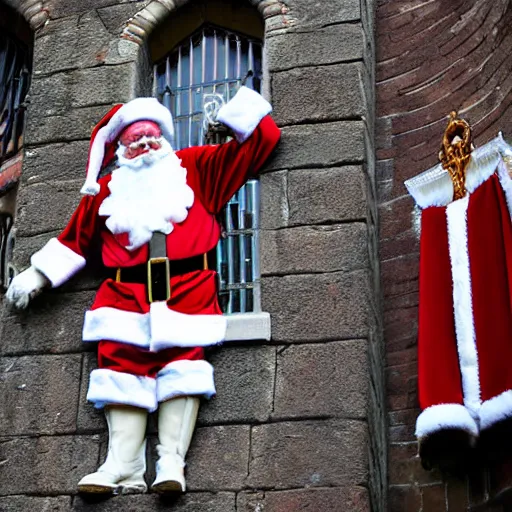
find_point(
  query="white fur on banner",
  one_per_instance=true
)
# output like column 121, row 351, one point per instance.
column 456, row 214
column 496, row 409
column 148, row 193
column 184, row 378
column 506, row 184
column 445, row 416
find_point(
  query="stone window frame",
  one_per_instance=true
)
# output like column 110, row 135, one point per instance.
column 133, row 44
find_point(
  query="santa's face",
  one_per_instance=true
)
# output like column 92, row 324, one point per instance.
column 140, row 138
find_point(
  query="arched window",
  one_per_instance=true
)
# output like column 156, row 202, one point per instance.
column 214, row 59
column 15, row 70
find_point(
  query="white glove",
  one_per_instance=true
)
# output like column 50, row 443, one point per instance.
column 26, row 286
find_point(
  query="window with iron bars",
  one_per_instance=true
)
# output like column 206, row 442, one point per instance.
column 214, row 60
column 15, row 66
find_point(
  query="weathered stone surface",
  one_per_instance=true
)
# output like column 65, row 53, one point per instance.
column 46, row 206
column 39, row 394
column 244, row 378
column 326, row 93
column 46, row 465
column 328, row 45
column 115, row 17
column 326, row 195
column 76, row 124
column 309, row 453
column 328, row 379
column 354, row 499
column 319, row 145
column 273, row 200
column 319, row 14
column 61, row 8
column 314, row 249
column 57, row 94
column 24, row 503
column 61, row 161
column 218, row 458
column 190, row 502
column 52, row 323
column 89, row 419
column 317, row 307
column 70, row 43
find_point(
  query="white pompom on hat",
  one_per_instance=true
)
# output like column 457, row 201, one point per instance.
column 106, row 132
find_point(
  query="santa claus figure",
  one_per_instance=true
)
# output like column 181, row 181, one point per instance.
column 154, row 218
column 465, row 315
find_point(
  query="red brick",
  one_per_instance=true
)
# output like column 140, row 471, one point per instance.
column 433, row 498
column 404, row 499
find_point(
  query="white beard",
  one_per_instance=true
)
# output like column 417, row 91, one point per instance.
column 148, row 193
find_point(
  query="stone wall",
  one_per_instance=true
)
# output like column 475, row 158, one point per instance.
column 289, row 429
column 432, row 57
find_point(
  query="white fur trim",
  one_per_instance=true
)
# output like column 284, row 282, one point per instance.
column 496, row 409
column 57, row 262
column 434, row 187
column 110, row 387
column 456, row 214
column 139, row 109
column 25, row 286
column 170, row 328
column 244, row 112
column 445, row 416
column 160, row 328
column 183, row 378
column 506, row 184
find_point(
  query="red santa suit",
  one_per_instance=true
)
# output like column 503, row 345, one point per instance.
column 150, row 353
column 465, row 316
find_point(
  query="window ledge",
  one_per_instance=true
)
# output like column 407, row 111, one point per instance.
column 248, row 326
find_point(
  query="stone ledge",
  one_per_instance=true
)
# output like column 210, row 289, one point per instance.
column 248, row 326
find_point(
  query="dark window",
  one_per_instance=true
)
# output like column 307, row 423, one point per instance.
column 215, row 60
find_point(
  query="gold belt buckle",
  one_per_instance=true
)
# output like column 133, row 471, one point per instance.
column 151, row 262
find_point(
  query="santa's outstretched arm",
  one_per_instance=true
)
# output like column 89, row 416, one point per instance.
column 60, row 258
column 224, row 168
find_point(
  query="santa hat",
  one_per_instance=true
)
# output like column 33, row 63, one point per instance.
column 106, row 132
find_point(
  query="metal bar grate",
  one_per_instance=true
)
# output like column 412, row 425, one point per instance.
column 214, row 60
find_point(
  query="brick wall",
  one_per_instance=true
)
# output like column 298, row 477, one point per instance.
column 432, row 57
column 294, row 419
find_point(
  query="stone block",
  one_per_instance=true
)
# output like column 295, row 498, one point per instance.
column 39, row 394
column 46, row 465
column 52, row 323
column 244, row 378
column 274, row 200
column 327, row 45
column 190, row 502
column 317, row 380
column 319, row 145
column 338, row 499
column 317, row 307
column 62, row 161
column 326, row 93
column 309, row 453
column 310, row 14
column 46, row 206
column 58, row 94
column 76, row 124
column 24, row 503
column 89, row 419
column 312, row 249
column 70, row 43
column 218, row 458
column 326, row 195
column 62, row 8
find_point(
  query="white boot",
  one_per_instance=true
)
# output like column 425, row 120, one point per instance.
column 176, row 421
column 124, row 468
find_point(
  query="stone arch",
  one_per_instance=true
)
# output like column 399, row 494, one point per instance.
column 138, row 29
column 35, row 12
